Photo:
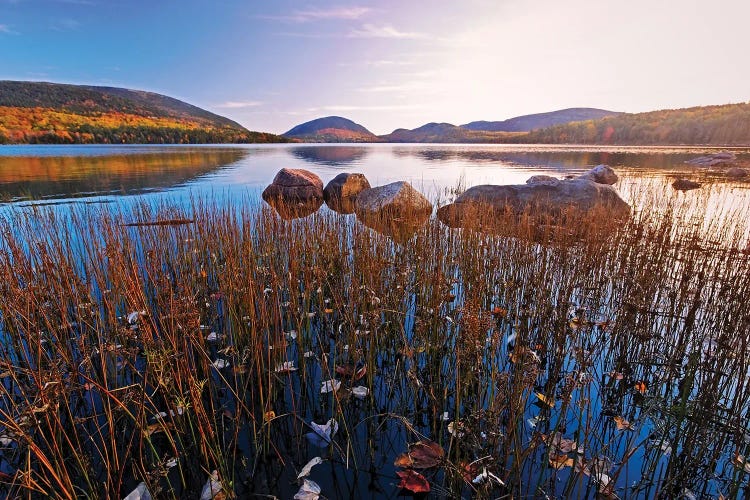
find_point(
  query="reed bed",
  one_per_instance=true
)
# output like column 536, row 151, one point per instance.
column 216, row 356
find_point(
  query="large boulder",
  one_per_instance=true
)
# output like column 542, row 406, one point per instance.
column 544, row 202
column 601, row 174
column 396, row 209
column 340, row 193
column 294, row 193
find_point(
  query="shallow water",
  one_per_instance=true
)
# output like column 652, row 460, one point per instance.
column 106, row 173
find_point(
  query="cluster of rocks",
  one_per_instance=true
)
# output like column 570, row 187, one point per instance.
column 397, row 209
column 724, row 164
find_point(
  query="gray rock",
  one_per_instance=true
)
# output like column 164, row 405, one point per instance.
column 542, row 179
column 295, row 185
column 340, row 193
column 713, row 159
column 396, row 209
column 541, row 200
column 737, row 173
column 685, row 184
column 601, row 174
column 294, row 193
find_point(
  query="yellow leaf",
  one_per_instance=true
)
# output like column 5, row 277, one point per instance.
column 641, row 387
column 269, row 415
column 622, row 424
column 560, row 461
column 549, row 402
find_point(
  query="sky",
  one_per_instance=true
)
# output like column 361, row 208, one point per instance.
column 391, row 63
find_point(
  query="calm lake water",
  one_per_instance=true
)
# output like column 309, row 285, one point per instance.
column 64, row 174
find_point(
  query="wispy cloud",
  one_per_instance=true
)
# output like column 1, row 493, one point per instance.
column 401, row 87
column 66, row 24
column 343, row 107
column 308, row 15
column 78, row 2
column 238, row 104
column 5, row 29
column 384, row 31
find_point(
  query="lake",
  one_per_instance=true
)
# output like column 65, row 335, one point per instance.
column 62, row 174
column 606, row 367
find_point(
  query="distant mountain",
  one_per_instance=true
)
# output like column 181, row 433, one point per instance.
column 40, row 112
column 331, row 129
column 727, row 124
column 527, row 123
column 445, row 133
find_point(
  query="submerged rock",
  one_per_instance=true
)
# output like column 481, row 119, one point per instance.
column 683, row 184
column 601, row 174
column 546, row 201
column 294, row 193
column 737, row 173
column 396, row 210
column 711, row 160
column 342, row 190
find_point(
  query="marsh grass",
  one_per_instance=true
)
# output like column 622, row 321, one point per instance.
column 568, row 360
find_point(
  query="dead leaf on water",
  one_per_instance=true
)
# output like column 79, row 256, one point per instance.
column 413, row 481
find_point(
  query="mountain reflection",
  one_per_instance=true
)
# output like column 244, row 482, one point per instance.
column 44, row 177
column 333, row 156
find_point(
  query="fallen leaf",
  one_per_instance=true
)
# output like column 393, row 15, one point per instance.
column 308, row 467
column 641, row 387
column 322, row 434
column 421, row 455
column 286, row 367
column 139, row 493
column 622, row 424
column 310, row 490
column 360, row 392
column 546, row 401
column 329, row 386
column 269, row 415
column 413, row 481
column 212, row 489
column 560, row 461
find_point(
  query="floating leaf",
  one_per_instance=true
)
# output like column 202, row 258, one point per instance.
column 286, row 367
column 329, row 386
column 354, row 372
column 360, row 392
column 413, row 481
column 641, row 387
column 484, row 476
column 560, row 461
column 310, row 490
column 220, row 363
column 421, row 455
column 139, row 493
column 622, row 424
column 308, row 467
column 328, row 310
column 544, row 400
column 269, row 415
column 213, row 337
column 322, row 434
column 212, row 489
column 560, row 444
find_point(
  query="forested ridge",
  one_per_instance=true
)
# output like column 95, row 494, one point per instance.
column 47, row 113
column 727, row 124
